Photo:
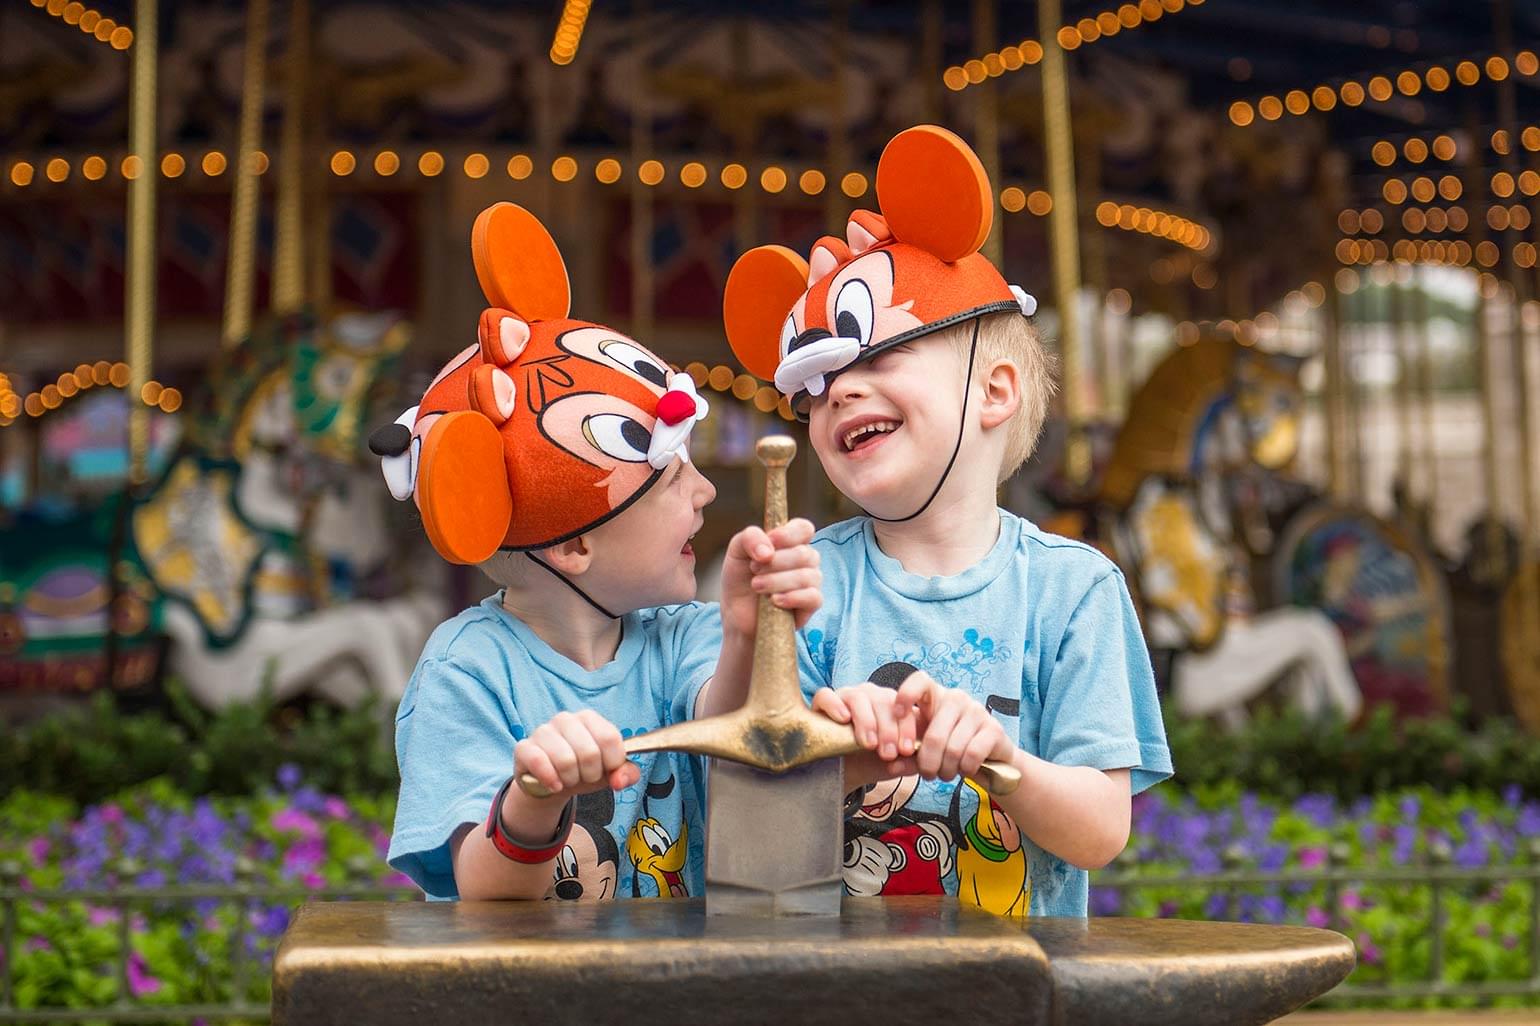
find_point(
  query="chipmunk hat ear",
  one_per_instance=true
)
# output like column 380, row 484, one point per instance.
column 934, row 193
column 463, row 491
column 518, row 264
column 762, row 287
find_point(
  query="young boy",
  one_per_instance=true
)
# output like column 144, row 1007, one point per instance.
column 924, row 387
column 553, row 456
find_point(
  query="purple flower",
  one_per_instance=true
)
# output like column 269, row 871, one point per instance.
column 288, row 776
column 292, row 820
column 1528, row 821
column 1217, row 906
column 1471, row 855
column 1316, row 916
column 140, row 982
column 38, row 943
column 99, row 916
column 313, row 880
column 39, row 847
column 1510, row 941
column 1313, row 857
column 1368, row 950
column 335, row 807
column 1352, row 901
column 1319, row 809
column 272, row 921
column 1482, row 929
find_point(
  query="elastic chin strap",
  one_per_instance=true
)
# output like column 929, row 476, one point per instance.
column 563, row 579
column 962, row 422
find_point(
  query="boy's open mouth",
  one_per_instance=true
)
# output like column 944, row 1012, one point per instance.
column 865, row 432
column 688, row 549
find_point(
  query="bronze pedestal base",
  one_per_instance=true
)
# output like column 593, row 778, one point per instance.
column 667, row 962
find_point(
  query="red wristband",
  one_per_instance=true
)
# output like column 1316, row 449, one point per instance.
column 512, row 848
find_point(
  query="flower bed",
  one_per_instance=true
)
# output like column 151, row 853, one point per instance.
column 66, row 952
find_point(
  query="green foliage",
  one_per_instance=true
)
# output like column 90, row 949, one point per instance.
column 97, row 749
column 1286, row 754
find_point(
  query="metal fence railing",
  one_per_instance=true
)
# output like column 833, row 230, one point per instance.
column 1438, row 876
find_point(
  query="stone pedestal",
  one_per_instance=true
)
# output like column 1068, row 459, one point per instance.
column 924, row 960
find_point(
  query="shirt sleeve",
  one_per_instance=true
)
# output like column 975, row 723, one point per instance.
column 454, row 745
column 1100, row 707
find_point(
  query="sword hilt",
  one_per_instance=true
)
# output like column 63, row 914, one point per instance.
column 775, row 730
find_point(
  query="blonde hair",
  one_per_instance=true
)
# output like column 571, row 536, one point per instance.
column 1010, row 336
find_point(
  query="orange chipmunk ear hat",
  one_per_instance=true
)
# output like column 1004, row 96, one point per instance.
column 547, row 426
column 910, row 270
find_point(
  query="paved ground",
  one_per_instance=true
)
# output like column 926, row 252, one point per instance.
column 1384, row 1017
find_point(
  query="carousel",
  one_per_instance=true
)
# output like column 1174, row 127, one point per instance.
column 1284, row 256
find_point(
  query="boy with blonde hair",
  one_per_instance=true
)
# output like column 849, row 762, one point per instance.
column 924, row 386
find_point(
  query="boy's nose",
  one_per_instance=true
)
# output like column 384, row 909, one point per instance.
column 847, row 387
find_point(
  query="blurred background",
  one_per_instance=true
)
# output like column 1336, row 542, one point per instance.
column 1284, row 253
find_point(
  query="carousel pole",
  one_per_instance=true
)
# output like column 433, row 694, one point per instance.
column 1507, row 116
column 1402, row 341
column 932, row 21
column 1331, row 337
column 1496, row 569
column 1425, row 388
column 642, row 282
column 986, row 123
column 289, row 231
column 240, row 271
column 839, row 138
column 140, row 279
column 1062, row 234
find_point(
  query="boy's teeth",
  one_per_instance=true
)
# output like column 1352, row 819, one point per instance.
column 877, row 427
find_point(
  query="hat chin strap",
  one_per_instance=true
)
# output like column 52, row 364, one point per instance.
column 563, row 578
column 962, row 422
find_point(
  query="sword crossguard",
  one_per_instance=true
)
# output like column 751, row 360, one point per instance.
column 775, row 730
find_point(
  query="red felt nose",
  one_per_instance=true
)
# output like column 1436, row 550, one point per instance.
column 674, row 407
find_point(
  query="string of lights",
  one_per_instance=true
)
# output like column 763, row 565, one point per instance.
column 1070, row 37
column 1380, row 88
column 693, row 174
column 569, row 31
column 1451, row 253
column 91, row 22
column 82, row 379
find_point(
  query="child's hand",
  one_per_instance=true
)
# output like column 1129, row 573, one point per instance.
column 883, row 726
column 576, row 753
column 780, row 564
column 956, row 732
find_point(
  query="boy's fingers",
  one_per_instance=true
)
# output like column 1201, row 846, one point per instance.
column 887, row 729
column 590, row 762
column 624, row 776
column 969, row 726
column 828, row 702
column 938, row 732
column 862, row 718
column 751, row 543
column 978, row 749
column 612, row 747
column 916, row 689
column 786, row 580
column 790, row 558
column 795, row 531
column 564, row 761
column 908, row 727
column 529, row 757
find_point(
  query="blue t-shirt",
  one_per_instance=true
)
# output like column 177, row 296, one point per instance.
column 1042, row 632
column 485, row 680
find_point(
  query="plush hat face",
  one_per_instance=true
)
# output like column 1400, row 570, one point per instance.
column 544, row 429
column 908, row 271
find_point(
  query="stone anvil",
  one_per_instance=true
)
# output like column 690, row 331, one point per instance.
column 774, row 940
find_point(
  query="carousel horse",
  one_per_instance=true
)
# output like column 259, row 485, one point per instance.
column 1193, row 482
column 262, row 529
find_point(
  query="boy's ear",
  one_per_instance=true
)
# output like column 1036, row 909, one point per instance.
column 572, row 557
column 934, row 193
column 1002, row 393
column 463, row 490
column 762, row 287
column 518, row 264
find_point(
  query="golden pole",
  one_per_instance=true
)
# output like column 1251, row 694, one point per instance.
column 240, row 271
column 289, row 231
column 641, row 209
column 1062, row 233
column 139, row 282
column 1425, row 387
column 986, row 123
column 1332, row 354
